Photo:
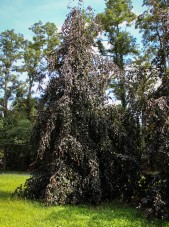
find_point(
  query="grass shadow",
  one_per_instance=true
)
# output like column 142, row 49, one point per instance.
column 14, row 172
column 103, row 215
column 5, row 195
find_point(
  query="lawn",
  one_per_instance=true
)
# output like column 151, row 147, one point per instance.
column 21, row 213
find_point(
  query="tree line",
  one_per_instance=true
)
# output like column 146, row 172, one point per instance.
column 23, row 64
column 84, row 148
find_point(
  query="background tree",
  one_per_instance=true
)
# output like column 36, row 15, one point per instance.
column 141, row 81
column 10, row 52
column 17, row 56
column 37, row 54
column 14, row 136
column 154, row 23
column 117, row 17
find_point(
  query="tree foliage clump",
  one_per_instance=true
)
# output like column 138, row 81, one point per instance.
column 155, row 198
column 14, row 136
column 67, row 164
column 119, row 154
column 154, row 23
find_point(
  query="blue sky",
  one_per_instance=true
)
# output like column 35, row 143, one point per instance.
column 22, row 14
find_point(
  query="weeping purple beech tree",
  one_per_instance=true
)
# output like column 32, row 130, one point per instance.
column 64, row 137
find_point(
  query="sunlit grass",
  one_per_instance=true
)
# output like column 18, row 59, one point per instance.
column 21, row 213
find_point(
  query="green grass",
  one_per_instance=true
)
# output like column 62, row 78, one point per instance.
column 21, row 213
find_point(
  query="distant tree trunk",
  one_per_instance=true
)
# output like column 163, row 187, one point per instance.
column 5, row 150
column 143, row 127
column 123, row 94
column 29, row 97
column 6, row 94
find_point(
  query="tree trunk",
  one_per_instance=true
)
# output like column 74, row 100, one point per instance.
column 5, row 157
column 29, row 97
column 6, row 94
column 143, row 142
